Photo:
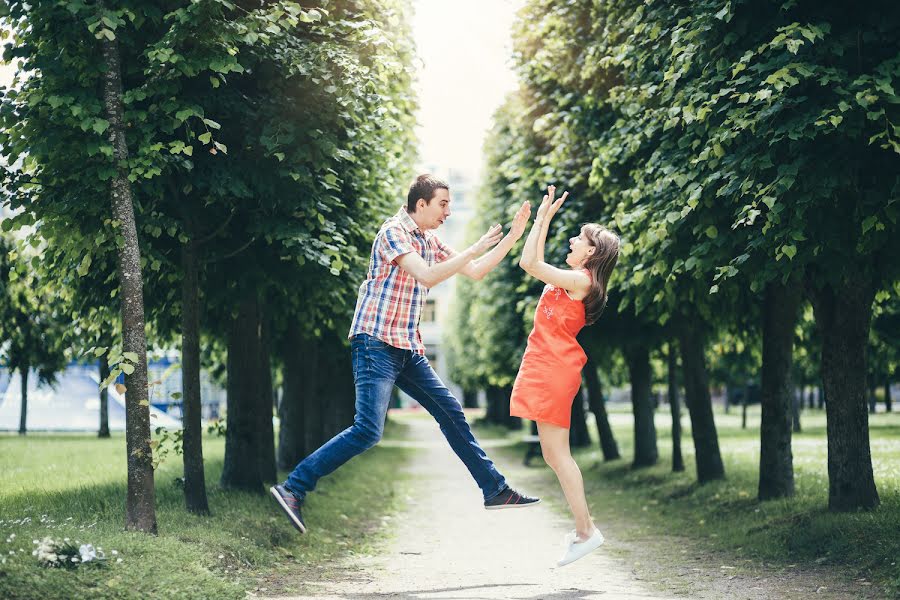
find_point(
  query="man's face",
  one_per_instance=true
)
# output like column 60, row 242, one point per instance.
column 433, row 214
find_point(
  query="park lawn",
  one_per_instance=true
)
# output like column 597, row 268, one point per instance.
column 727, row 516
column 73, row 486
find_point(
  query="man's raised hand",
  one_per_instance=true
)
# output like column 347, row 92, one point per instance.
column 520, row 221
column 489, row 239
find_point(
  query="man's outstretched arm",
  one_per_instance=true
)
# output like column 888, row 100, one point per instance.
column 479, row 267
column 416, row 266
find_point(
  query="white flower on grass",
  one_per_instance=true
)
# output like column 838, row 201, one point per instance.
column 87, row 552
column 118, row 560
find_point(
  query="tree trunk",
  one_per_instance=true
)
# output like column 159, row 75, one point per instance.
column 494, row 413
column 843, row 317
column 267, row 469
column 510, row 422
column 140, row 503
column 23, row 414
column 241, row 467
column 873, row 401
column 578, row 431
column 300, row 359
column 887, row 397
column 470, row 398
column 314, row 434
column 608, row 444
column 335, row 390
column 191, row 401
column 744, row 407
column 699, row 404
column 675, row 405
column 796, row 407
column 776, row 467
column 645, row 449
column 103, row 432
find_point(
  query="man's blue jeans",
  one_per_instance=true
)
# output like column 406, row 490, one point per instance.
column 377, row 367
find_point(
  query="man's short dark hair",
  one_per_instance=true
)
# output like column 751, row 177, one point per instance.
column 423, row 187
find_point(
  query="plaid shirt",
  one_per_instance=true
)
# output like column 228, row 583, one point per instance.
column 390, row 299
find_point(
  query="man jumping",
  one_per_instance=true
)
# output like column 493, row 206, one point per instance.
column 407, row 259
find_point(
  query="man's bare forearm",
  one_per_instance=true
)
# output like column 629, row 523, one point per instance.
column 486, row 263
column 445, row 270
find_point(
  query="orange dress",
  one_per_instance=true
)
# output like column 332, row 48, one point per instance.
column 550, row 374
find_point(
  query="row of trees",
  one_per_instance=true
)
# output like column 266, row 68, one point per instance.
column 208, row 175
column 747, row 153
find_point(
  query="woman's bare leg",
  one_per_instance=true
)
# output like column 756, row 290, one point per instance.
column 555, row 446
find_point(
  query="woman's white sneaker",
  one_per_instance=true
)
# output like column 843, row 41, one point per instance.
column 576, row 549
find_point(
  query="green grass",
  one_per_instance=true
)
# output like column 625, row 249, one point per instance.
column 74, row 486
column 726, row 515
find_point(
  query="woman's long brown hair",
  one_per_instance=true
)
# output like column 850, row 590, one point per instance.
column 600, row 264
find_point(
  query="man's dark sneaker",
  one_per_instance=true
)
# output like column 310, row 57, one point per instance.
column 290, row 505
column 510, row 498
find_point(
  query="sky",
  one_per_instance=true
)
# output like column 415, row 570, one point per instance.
column 463, row 73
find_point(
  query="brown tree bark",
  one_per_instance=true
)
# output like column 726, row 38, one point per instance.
column 646, row 452
column 140, row 503
column 776, row 466
column 597, row 406
column 241, row 466
column 496, row 412
column 578, row 431
column 300, row 359
column 103, row 431
column 843, row 317
column 192, row 443
column 23, row 411
column 675, row 406
column 267, row 469
column 699, row 403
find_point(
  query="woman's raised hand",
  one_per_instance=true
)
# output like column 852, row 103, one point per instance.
column 555, row 204
column 549, row 206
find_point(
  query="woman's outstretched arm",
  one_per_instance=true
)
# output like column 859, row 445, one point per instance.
column 532, row 261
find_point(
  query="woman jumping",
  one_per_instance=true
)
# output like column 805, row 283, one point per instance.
column 550, row 374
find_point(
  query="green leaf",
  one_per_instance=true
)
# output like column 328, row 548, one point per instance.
column 127, row 368
column 132, row 356
column 100, row 352
column 144, row 403
column 175, row 395
column 789, row 250
column 712, row 232
column 868, row 223
column 212, row 124
column 100, row 125
column 205, row 137
column 85, row 264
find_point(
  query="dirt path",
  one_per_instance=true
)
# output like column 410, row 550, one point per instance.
column 446, row 546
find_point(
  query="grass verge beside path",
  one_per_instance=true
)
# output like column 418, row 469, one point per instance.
column 791, row 535
column 73, row 486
